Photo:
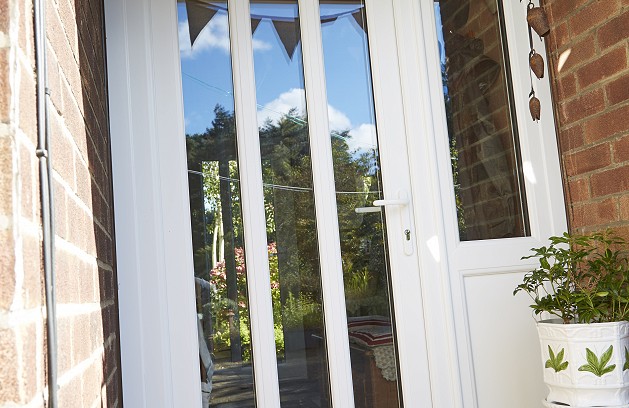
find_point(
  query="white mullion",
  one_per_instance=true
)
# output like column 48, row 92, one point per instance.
column 337, row 340
column 253, row 216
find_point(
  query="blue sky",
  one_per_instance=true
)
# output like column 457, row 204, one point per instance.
column 206, row 71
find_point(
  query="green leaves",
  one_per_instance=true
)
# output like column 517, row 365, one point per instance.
column 626, row 365
column 580, row 278
column 556, row 362
column 598, row 366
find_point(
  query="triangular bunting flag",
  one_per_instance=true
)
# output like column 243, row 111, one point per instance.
column 199, row 15
column 288, row 31
column 254, row 25
column 360, row 19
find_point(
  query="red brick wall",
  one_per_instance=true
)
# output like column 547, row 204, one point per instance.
column 589, row 58
column 89, row 364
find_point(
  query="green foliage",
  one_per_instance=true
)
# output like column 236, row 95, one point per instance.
column 556, row 362
column 626, row 365
column 580, row 278
column 598, row 366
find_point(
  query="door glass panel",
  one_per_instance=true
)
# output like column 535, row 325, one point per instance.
column 289, row 201
column 484, row 149
column 357, row 181
column 225, row 352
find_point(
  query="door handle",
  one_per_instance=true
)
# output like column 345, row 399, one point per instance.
column 384, row 203
column 405, row 218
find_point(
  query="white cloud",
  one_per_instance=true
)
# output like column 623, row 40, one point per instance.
column 338, row 120
column 362, row 136
column 214, row 35
column 280, row 106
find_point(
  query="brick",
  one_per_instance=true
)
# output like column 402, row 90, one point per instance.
column 571, row 138
column 55, row 81
column 599, row 213
column 618, row 90
column 585, row 105
column 5, row 12
column 604, row 67
column 82, row 345
column 70, row 394
column 25, row 31
column 29, row 182
column 28, row 104
column 64, row 344
column 87, row 283
column 579, row 190
column 67, row 282
column 28, row 338
column 614, row 31
column 560, row 10
column 7, row 154
column 92, row 381
column 592, row 15
column 7, row 270
column 623, row 205
column 566, row 86
column 33, row 276
column 590, row 159
column 62, row 152
column 607, row 124
column 5, row 89
column 579, row 53
column 621, row 149
column 96, row 326
column 10, row 390
column 559, row 36
column 610, row 181
column 61, row 210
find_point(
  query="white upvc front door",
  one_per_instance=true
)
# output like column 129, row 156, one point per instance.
column 453, row 235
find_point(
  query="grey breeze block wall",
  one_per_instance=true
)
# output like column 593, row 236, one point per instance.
column 89, row 363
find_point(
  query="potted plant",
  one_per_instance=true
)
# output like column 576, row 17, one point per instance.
column 583, row 281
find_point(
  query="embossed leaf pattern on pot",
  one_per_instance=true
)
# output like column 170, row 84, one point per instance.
column 556, row 361
column 598, row 366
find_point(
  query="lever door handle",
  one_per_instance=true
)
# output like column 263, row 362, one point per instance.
column 383, row 203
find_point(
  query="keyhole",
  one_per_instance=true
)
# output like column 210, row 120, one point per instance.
column 407, row 233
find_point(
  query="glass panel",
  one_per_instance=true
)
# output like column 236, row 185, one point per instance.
column 289, row 199
column 357, row 182
column 483, row 138
column 217, row 237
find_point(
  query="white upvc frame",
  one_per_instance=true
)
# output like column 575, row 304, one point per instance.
column 328, row 237
column 157, row 316
column 158, row 335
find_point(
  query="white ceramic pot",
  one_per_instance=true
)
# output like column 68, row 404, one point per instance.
column 586, row 365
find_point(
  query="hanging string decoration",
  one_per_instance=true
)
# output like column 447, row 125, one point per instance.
column 201, row 12
column 537, row 21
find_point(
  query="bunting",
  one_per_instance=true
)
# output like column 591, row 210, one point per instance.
column 254, row 25
column 199, row 15
column 288, row 31
column 201, row 12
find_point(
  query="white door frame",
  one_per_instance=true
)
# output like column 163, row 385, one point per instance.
column 158, row 335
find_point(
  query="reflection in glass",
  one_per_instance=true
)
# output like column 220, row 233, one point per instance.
column 289, row 200
column 357, row 182
column 483, row 138
column 217, row 236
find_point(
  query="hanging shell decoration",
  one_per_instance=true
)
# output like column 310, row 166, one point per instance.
column 535, row 108
column 537, row 64
column 537, row 19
